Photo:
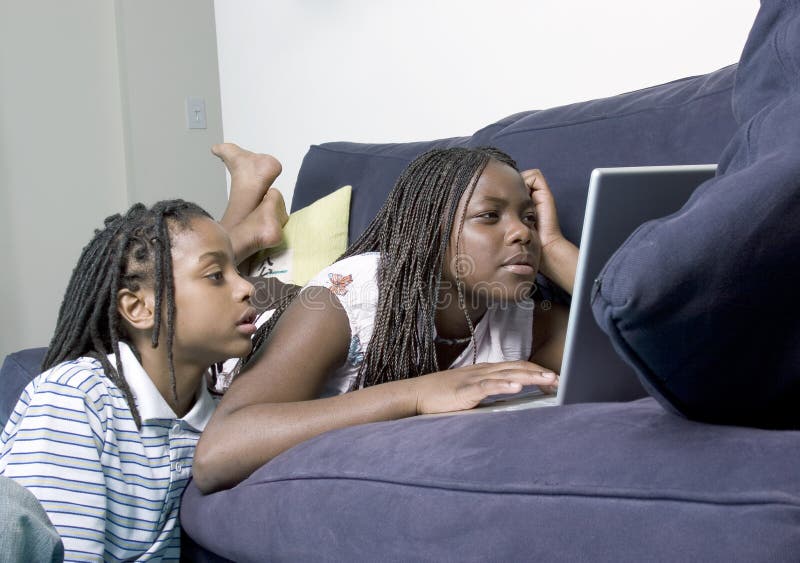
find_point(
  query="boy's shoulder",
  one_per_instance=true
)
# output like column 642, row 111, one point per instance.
column 66, row 390
column 83, row 375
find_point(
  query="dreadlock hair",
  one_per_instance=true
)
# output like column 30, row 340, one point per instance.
column 411, row 232
column 131, row 250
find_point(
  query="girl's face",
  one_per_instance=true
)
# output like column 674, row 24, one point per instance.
column 499, row 248
column 213, row 315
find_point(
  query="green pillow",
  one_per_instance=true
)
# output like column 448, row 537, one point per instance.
column 313, row 238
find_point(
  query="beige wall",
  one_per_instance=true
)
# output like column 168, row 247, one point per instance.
column 92, row 119
column 168, row 51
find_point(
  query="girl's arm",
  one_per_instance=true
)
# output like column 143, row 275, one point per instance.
column 559, row 256
column 559, row 263
column 549, row 336
column 272, row 406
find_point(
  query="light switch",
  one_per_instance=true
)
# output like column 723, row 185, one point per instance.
column 195, row 112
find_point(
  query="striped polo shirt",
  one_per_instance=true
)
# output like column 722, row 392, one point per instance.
column 112, row 491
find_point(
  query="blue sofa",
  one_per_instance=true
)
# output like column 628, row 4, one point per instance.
column 639, row 481
column 693, row 473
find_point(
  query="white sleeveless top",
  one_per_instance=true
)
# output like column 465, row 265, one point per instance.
column 503, row 334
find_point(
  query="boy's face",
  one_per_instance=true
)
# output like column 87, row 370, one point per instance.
column 499, row 246
column 213, row 315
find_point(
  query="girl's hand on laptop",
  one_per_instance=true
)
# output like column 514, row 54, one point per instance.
column 463, row 388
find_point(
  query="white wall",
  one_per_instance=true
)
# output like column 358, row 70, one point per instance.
column 301, row 72
column 91, row 120
column 92, row 93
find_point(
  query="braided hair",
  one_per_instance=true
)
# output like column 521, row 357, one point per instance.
column 411, row 232
column 131, row 250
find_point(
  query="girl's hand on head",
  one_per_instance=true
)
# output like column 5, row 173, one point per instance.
column 546, row 217
column 463, row 388
column 559, row 256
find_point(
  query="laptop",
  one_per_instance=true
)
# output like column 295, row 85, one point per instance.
column 619, row 201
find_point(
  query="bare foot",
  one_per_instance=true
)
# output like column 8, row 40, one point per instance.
column 251, row 176
column 262, row 228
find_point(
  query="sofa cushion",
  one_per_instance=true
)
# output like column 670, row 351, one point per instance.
column 600, row 482
column 702, row 303
column 313, row 238
column 18, row 370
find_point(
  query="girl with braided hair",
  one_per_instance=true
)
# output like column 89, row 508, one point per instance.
column 105, row 436
column 429, row 311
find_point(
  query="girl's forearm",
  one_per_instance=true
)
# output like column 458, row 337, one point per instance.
column 559, row 262
column 239, row 442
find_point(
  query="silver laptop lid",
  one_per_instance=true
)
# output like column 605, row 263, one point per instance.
column 619, row 201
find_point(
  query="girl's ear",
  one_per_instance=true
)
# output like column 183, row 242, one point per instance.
column 137, row 308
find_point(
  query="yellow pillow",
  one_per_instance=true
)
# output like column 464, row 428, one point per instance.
column 313, row 238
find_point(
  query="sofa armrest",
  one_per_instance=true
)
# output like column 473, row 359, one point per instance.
column 18, row 370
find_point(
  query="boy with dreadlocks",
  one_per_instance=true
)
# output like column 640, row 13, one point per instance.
column 428, row 311
column 105, row 437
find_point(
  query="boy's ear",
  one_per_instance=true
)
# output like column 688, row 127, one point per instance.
column 137, row 308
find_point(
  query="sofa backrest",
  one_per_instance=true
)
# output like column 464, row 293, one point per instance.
column 688, row 121
column 18, row 370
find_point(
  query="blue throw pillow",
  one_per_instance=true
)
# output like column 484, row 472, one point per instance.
column 703, row 303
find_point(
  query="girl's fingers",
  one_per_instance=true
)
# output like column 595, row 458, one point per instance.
column 547, row 218
column 529, row 177
column 523, row 373
column 479, row 390
column 541, row 378
column 539, row 190
column 509, row 383
column 535, row 180
column 525, row 367
column 464, row 388
column 550, row 389
column 498, row 386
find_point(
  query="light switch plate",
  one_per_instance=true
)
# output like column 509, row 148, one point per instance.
column 195, row 112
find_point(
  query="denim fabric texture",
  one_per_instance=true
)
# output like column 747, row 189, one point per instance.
column 26, row 533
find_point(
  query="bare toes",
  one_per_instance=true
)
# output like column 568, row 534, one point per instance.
column 251, row 167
